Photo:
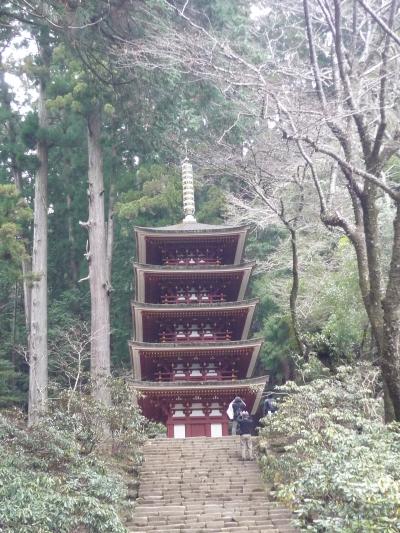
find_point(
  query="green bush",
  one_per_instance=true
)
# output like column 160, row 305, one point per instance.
column 339, row 469
column 61, row 476
column 47, row 485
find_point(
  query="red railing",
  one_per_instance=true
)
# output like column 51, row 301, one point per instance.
column 191, row 261
column 204, row 375
column 195, row 336
column 192, row 298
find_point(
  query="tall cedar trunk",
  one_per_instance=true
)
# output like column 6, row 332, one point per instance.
column 391, row 324
column 38, row 330
column 110, row 230
column 110, row 242
column 110, row 216
column 73, row 264
column 294, row 293
column 99, row 283
column 17, row 177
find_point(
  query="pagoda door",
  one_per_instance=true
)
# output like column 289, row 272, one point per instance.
column 198, row 421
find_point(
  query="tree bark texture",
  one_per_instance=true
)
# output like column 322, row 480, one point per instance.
column 110, row 231
column 71, row 239
column 391, row 323
column 38, row 331
column 98, row 272
column 371, row 233
column 294, row 293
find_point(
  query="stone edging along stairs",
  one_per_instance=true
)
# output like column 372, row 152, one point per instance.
column 202, row 485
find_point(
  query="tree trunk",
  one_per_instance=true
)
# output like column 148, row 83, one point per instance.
column 99, row 283
column 38, row 330
column 293, row 295
column 110, row 230
column 381, row 330
column 391, row 323
column 111, row 201
column 71, row 239
column 371, row 233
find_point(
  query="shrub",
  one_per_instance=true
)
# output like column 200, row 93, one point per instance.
column 47, row 485
column 339, row 469
column 60, row 477
column 77, row 412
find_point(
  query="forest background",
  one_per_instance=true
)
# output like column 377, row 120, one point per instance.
column 289, row 113
column 149, row 117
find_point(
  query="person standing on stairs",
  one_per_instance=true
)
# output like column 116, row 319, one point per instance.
column 269, row 406
column 246, row 427
column 235, row 409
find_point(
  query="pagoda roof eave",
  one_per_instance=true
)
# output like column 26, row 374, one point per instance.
column 256, row 385
column 246, row 306
column 139, row 349
column 195, row 307
column 241, row 271
column 193, row 269
column 190, row 230
column 221, row 345
column 194, row 228
column 196, row 385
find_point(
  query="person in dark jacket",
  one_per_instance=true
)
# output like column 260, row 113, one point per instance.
column 269, row 406
column 238, row 407
column 246, row 427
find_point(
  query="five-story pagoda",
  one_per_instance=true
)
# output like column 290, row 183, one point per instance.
column 191, row 354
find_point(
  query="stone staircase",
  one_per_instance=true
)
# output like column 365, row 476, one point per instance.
column 202, row 485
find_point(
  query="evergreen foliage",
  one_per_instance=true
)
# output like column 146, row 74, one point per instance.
column 338, row 470
column 57, row 477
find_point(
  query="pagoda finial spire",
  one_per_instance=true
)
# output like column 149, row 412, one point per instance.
column 188, row 191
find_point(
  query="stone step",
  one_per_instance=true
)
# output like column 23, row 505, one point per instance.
column 228, row 505
column 206, row 528
column 214, row 520
column 213, row 482
column 201, row 485
column 217, row 510
column 207, row 495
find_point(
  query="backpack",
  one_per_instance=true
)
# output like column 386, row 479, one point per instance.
column 238, row 408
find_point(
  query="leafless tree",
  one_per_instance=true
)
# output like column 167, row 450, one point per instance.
column 264, row 196
column 70, row 355
column 356, row 87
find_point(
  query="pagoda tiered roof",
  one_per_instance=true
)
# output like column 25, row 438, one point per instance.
column 142, row 352
column 249, row 389
column 231, row 237
column 147, row 276
column 195, row 268
column 195, row 227
column 146, row 316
